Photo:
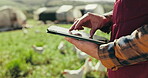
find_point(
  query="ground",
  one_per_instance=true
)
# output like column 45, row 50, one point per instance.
column 19, row 60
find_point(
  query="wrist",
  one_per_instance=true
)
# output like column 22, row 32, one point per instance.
column 108, row 16
column 107, row 23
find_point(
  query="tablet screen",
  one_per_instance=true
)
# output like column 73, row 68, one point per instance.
column 76, row 34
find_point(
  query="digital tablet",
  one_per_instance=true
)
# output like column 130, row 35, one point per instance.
column 57, row 30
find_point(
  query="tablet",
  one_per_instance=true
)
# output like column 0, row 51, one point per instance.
column 57, row 30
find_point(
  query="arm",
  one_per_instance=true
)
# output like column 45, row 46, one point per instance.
column 127, row 50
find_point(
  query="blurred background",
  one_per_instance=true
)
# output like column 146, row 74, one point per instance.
column 27, row 51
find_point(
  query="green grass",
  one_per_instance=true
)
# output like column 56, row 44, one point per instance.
column 18, row 59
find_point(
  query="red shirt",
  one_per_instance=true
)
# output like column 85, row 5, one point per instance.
column 129, row 15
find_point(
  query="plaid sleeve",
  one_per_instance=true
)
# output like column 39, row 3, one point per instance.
column 127, row 50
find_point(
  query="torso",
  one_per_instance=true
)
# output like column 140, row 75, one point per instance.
column 129, row 15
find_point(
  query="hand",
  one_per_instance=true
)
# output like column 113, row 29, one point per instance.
column 89, row 20
column 85, row 46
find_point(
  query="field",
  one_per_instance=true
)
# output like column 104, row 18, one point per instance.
column 19, row 60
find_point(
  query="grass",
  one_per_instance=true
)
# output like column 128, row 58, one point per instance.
column 18, row 59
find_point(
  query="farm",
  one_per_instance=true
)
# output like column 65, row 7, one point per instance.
column 28, row 51
column 19, row 60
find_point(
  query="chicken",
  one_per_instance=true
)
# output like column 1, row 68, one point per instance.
column 61, row 46
column 37, row 31
column 88, row 65
column 25, row 31
column 101, row 69
column 38, row 49
column 74, row 49
column 81, row 55
column 74, row 73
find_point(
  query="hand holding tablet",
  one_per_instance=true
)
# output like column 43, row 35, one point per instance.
column 76, row 34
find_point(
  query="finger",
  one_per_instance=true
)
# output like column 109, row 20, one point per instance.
column 81, row 22
column 78, row 25
column 75, row 19
column 73, row 26
column 80, row 28
column 92, row 32
column 87, row 24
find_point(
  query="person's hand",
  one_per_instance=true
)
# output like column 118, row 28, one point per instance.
column 89, row 20
column 85, row 46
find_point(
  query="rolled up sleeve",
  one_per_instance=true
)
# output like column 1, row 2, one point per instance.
column 127, row 50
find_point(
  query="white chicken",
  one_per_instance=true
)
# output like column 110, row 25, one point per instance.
column 81, row 55
column 37, row 31
column 74, row 73
column 100, row 68
column 88, row 65
column 25, row 31
column 61, row 46
column 38, row 49
column 74, row 49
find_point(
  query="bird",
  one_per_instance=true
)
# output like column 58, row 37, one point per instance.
column 38, row 49
column 62, row 47
column 88, row 65
column 81, row 55
column 84, row 69
column 74, row 73
column 37, row 31
column 101, row 69
column 74, row 49
column 25, row 31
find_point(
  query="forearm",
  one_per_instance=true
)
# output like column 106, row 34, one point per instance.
column 127, row 50
column 93, row 53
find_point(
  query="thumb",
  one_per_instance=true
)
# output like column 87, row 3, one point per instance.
column 92, row 32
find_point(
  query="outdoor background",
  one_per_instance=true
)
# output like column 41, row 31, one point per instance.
column 19, row 60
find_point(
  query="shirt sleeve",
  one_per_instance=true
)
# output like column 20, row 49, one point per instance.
column 127, row 50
